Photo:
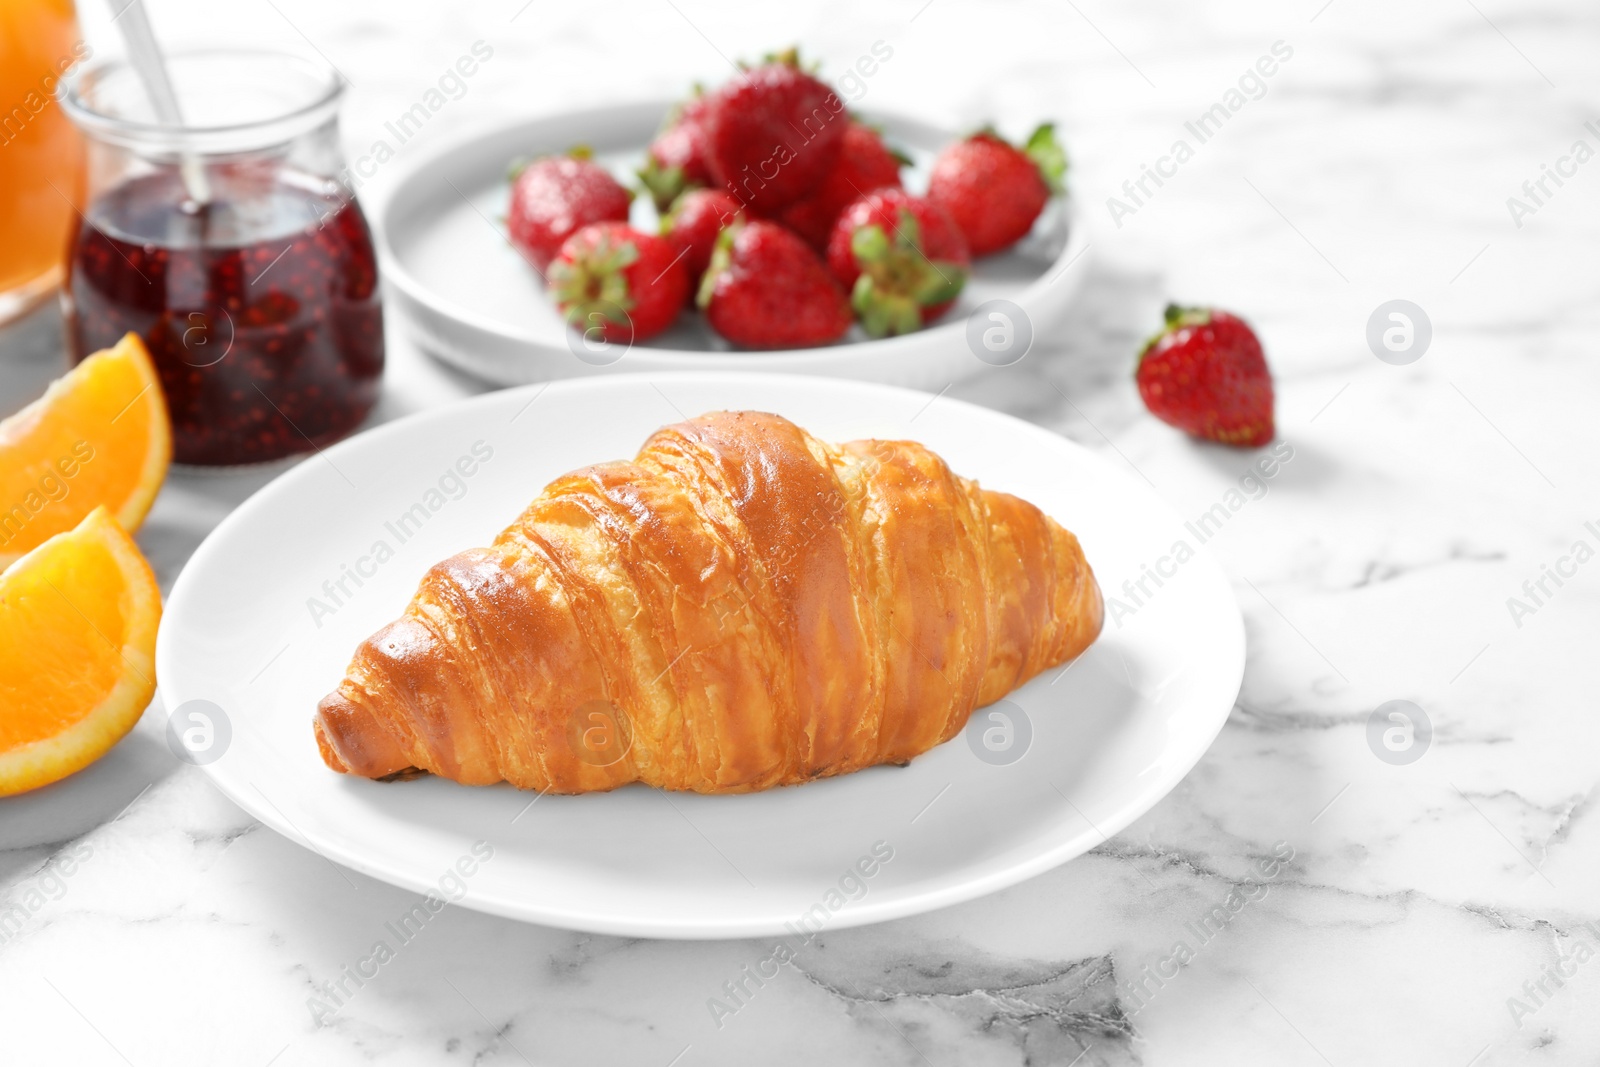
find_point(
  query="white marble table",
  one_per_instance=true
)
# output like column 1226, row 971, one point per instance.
column 1426, row 905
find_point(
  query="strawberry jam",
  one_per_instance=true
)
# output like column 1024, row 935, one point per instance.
column 260, row 307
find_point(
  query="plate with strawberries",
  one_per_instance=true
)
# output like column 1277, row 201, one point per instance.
column 757, row 226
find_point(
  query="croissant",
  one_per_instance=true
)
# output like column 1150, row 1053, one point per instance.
column 741, row 606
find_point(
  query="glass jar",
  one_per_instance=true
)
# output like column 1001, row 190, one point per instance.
column 41, row 155
column 230, row 246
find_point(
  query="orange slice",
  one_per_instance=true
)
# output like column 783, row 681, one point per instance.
column 99, row 435
column 78, row 620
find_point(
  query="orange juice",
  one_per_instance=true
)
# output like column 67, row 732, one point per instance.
column 41, row 155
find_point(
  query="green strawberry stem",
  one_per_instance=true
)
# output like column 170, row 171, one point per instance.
column 789, row 57
column 897, row 279
column 884, row 313
column 664, row 184
column 942, row 284
column 1048, row 155
column 1175, row 317
column 721, row 260
column 869, row 244
column 595, row 282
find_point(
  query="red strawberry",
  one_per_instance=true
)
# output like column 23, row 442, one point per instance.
column 627, row 284
column 902, row 258
column 773, row 132
column 765, row 288
column 693, row 224
column 865, row 163
column 676, row 159
column 1205, row 374
column 994, row 189
column 552, row 198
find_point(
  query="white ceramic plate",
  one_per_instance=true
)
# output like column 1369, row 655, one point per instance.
column 469, row 299
column 1109, row 736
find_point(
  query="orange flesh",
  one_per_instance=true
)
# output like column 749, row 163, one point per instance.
column 98, row 436
column 78, row 622
column 51, row 684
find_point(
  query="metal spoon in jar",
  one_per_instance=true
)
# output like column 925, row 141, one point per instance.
column 145, row 54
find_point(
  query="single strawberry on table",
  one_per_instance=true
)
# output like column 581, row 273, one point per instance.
column 901, row 257
column 766, row 288
column 693, row 224
column 554, row 197
column 1205, row 373
column 865, row 163
column 614, row 280
column 773, row 133
column 994, row 189
column 676, row 159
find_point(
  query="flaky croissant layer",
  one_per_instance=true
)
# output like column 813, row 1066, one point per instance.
column 739, row 607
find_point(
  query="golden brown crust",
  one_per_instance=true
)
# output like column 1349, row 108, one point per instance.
column 740, row 606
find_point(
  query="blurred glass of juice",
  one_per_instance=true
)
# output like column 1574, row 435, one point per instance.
column 41, row 155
